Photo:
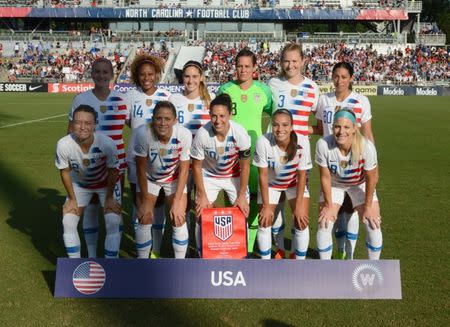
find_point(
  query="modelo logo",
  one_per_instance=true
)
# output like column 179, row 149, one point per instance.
column 393, row 91
column 426, row 91
column 227, row 278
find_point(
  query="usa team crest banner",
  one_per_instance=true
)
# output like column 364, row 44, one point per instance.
column 228, row 279
column 224, row 234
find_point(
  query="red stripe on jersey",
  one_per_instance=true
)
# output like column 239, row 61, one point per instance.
column 120, row 146
column 122, row 107
column 97, row 185
column 121, row 156
column 299, row 122
column 116, row 137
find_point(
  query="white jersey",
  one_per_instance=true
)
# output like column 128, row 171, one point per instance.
column 328, row 105
column 282, row 174
column 220, row 159
column 163, row 160
column 344, row 172
column 87, row 170
column 111, row 116
column 300, row 100
column 191, row 113
column 141, row 112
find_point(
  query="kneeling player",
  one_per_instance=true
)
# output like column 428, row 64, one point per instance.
column 162, row 162
column 283, row 159
column 89, row 165
column 221, row 161
column 348, row 164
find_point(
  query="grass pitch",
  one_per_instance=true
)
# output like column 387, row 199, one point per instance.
column 413, row 143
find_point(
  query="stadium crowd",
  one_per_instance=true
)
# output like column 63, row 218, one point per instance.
column 43, row 61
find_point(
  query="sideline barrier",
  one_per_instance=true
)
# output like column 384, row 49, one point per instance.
column 23, row 87
column 227, row 279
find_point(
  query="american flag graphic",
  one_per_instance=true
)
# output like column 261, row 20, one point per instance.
column 223, row 227
column 89, row 277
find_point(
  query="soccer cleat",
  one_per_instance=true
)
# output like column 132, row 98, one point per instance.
column 340, row 255
column 155, row 255
column 280, row 254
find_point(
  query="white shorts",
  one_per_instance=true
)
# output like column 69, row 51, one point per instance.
column 230, row 185
column 154, row 188
column 357, row 194
column 84, row 195
column 131, row 169
column 275, row 194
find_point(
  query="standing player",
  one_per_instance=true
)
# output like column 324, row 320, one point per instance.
column 192, row 108
column 250, row 98
column 88, row 165
column 112, row 112
column 283, row 159
column 146, row 72
column 348, row 165
column 298, row 94
column 347, row 225
column 162, row 163
column 221, row 161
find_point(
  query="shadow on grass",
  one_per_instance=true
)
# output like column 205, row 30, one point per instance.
column 274, row 323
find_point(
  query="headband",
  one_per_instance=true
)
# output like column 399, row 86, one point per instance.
column 193, row 63
column 344, row 113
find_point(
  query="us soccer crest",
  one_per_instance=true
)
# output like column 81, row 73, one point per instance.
column 343, row 164
column 223, row 227
column 283, row 159
column 103, row 109
column 337, row 108
column 162, row 152
column 293, row 92
column 149, row 102
column 244, row 97
column 191, row 107
column 86, row 162
column 220, row 150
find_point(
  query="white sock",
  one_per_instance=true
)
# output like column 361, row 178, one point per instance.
column 134, row 219
column 180, row 241
column 352, row 235
column 70, row 235
column 159, row 220
column 264, row 238
column 374, row 242
column 113, row 222
column 301, row 242
column 278, row 227
column 90, row 228
column 198, row 238
column 325, row 241
column 143, row 240
column 340, row 230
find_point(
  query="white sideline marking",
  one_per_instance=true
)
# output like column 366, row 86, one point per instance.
column 32, row 121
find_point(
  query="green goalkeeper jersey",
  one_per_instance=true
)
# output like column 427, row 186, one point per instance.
column 248, row 106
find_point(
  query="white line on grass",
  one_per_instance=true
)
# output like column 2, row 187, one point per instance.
column 32, row 121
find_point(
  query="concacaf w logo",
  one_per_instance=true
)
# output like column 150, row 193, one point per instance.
column 223, row 227
column 367, row 277
column 89, row 277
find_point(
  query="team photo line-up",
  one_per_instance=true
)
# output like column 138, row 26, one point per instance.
column 192, row 145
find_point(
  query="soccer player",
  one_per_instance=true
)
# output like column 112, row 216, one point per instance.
column 162, row 162
column 299, row 94
column 283, row 159
column 347, row 225
column 112, row 112
column 88, row 165
column 146, row 72
column 192, row 107
column 249, row 99
column 220, row 161
column 348, row 165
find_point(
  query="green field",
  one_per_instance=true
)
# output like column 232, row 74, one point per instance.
column 413, row 143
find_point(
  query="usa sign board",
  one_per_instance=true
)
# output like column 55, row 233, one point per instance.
column 228, row 279
column 224, row 233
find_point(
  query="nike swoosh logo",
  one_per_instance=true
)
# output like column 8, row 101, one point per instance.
column 32, row 88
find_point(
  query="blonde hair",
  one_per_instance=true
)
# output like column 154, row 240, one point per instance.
column 287, row 48
column 203, row 90
column 357, row 145
column 141, row 60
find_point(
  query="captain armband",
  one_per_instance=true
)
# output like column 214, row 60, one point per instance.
column 245, row 154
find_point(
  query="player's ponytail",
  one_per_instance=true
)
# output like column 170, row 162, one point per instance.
column 291, row 150
column 357, row 146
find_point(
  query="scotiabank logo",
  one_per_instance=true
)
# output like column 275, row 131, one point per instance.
column 69, row 87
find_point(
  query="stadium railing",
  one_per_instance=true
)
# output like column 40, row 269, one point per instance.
column 431, row 39
column 224, row 36
column 349, row 38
